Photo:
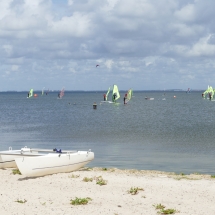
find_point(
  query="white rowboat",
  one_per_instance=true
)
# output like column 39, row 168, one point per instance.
column 53, row 163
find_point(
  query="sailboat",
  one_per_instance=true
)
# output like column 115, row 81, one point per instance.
column 115, row 95
column 61, row 94
column 30, row 93
column 188, row 90
column 128, row 95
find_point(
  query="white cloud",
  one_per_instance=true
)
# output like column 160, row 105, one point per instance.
column 202, row 48
column 109, row 63
column 187, row 13
column 70, row 2
column 5, row 8
column 125, row 37
column 77, row 25
column 14, row 67
column 8, row 49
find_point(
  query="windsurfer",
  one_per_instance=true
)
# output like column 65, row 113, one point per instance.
column 202, row 95
column 210, row 96
column 58, row 95
column 114, row 97
column 104, row 97
column 28, row 95
column 124, row 100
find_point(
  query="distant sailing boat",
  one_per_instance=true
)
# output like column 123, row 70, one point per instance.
column 30, row 93
column 115, row 95
column 128, row 95
column 188, row 90
column 61, row 94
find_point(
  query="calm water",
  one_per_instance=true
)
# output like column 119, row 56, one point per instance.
column 176, row 134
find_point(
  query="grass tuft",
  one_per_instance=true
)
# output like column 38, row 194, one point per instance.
column 16, row 172
column 162, row 209
column 21, row 201
column 134, row 190
column 159, row 207
column 87, row 179
column 167, row 211
column 100, row 181
column 80, row 201
column 74, row 176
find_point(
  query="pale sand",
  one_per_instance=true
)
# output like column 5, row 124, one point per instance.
column 189, row 194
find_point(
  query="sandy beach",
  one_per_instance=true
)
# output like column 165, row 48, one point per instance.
column 187, row 194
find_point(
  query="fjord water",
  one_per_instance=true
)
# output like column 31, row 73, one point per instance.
column 176, row 134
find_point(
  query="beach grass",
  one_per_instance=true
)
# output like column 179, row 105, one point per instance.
column 86, row 179
column 100, row 181
column 159, row 206
column 80, row 201
column 21, row 201
column 168, row 211
column 161, row 209
column 74, row 176
column 16, row 172
column 134, row 190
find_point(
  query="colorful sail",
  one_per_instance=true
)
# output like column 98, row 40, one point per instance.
column 209, row 91
column 129, row 94
column 115, row 94
column 30, row 94
column 61, row 94
column 106, row 98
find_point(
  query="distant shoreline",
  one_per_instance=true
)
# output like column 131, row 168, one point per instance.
column 97, row 91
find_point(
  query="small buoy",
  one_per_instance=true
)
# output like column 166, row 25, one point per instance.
column 174, row 96
column 35, row 95
column 94, row 105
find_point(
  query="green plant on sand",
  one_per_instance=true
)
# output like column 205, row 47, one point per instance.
column 100, row 181
column 87, row 179
column 16, row 172
column 21, row 201
column 159, row 206
column 80, row 201
column 134, row 190
column 162, row 209
column 74, row 176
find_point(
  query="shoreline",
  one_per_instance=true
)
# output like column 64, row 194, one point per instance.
column 52, row 194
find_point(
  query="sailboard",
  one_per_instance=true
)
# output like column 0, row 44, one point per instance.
column 30, row 93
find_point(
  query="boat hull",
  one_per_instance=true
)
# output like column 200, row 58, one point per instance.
column 7, row 158
column 53, row 163
column 7, row 161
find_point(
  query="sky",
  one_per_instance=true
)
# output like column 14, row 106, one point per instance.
column 138, row 44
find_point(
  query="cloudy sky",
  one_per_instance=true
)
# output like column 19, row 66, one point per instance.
column 139, row 44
